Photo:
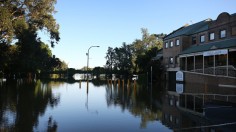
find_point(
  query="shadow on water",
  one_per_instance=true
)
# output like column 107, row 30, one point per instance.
column 22, row 102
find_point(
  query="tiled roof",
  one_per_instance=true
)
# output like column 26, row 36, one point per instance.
column 229, row 43
column 189, row 30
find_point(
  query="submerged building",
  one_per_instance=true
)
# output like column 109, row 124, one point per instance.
column 204, row 50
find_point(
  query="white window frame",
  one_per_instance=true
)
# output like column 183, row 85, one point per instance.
column 211, row 36
column 171, row 44
column 171, row 60
column 177, row 42
column 222, row 33
column 202, row 38
column 166, row 44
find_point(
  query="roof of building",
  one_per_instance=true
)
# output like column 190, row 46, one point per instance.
column 229, row 43
column 189, row 30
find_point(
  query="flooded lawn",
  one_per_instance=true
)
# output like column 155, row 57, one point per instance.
column 99, row 106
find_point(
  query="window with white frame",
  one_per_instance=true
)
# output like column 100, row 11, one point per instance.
column 222, row 33
column 171, row 60
column 166, row 44
column 212, row 36
column 171, row 44
column 202, row 38
column 177, row 42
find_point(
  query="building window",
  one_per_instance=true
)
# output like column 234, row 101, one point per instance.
column 194, row 40
column 177, row 42
column 233, row 31
column 171, row 43
column 202, row 38
column 166, row 44
column 171, row 60
column 176, row 103
column 171, row 102
column 176, row 120
column 171, row 118
column 222, row 33
column 212, row 36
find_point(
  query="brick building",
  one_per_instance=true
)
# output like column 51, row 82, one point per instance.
column 207, row 47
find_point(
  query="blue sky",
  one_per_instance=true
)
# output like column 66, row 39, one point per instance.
column 84, row 23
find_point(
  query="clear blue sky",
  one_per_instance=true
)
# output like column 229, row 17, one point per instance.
column 84, row 23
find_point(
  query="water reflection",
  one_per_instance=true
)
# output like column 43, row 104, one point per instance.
column 199, row 107
column 137, row 99
column 22, row 102
column 76, row 106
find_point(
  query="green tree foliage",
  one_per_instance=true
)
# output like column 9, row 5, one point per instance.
column 33, row 54
column 28, row 55
column 8, row 54
column 143, row 49
column 110, row 58
column 119, row 60
column 123, row 59
column 143, row 60
column 97, row 71
column 17, row 15
column 20, row 20
column 135, row 57
column 63, row 65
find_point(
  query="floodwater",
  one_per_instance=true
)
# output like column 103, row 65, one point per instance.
column 101, row 106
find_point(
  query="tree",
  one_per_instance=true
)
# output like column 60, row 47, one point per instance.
column 145, row 46
column 110, row 60
column 18, row 15
column 29, row 55
column 110, row 57
column 135, row 57
column 8, row 54
column 33, row 55
column 97, row 71
column 143, row 61
column 123, row 59
column 20, row 20
column 153, row 40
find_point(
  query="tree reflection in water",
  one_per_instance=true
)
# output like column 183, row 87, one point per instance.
column 22, row 102
column 52, row 125
column 137, row 100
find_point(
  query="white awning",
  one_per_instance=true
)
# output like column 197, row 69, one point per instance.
column 215, row 52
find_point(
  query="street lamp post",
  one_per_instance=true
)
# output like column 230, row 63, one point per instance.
column 88, row 59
